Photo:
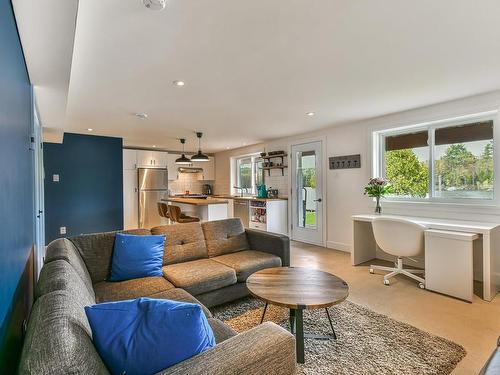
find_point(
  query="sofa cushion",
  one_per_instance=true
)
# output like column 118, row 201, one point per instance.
column 147, row 335
column 224, row 236
column 136, row 256
column 96, row 251
column 248, row 261
column 107, row 291
column 221, row 330
column 59, row 275
column 178, row 294
column 200, row 276
column 59, row 339
column 184, row 242
column 64, row 249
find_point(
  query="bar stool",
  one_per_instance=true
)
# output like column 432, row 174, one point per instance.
column 178, row 217
column 163, row 210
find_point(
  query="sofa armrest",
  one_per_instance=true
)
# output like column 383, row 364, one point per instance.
column 265, row 349
column 492, row 367
column 271, row 243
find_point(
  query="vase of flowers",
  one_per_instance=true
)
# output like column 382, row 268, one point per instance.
column 377, row 188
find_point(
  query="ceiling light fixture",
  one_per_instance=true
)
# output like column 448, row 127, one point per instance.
column 90, row 129
column 199, row 156
column 183, row 160
column 154, row 4
column 179, row 83
column 141, row 115
column 154, row 146
column 310, row 113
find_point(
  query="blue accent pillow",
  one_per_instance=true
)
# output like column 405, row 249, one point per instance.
column 137, row 256
column 146, row 335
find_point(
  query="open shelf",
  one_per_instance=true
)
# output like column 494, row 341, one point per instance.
column 282, row 167
column 274, row 156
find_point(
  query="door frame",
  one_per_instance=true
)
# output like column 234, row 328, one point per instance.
column 324, row 164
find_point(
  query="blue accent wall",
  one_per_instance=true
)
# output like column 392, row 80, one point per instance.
column 16, row 177
column 89, row 195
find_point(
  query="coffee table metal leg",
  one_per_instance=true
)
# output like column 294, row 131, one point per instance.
column 331, row 325
column 292, row 321
column 299, row 336
column 263, row 314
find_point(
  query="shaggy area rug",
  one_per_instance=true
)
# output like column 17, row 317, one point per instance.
column 368, row 342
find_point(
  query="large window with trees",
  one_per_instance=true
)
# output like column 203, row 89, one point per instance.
column 447, row 160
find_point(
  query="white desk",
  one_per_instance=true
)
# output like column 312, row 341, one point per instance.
column 364, row 246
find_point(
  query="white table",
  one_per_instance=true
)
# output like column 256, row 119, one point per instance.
column 365, row 248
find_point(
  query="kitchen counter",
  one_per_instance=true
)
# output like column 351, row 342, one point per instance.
column 250, row 198
column 196, row 201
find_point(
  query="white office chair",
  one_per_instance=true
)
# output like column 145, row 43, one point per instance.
column 403, row 239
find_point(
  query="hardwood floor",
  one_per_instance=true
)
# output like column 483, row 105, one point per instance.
column 475, row 326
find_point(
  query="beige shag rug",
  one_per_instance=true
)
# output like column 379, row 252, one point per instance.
column 368, row 342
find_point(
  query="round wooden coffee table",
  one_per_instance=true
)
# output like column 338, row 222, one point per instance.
column 298, row 289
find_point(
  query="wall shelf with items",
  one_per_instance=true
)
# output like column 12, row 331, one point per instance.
column 269, row 165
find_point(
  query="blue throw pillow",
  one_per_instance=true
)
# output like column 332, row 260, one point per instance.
column 145, row 335
column 137, row 256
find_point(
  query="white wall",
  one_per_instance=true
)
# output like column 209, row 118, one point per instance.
column 345, row 187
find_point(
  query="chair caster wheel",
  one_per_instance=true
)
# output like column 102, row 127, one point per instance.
column 372, row 271
column 386, row 282
column 421, row 285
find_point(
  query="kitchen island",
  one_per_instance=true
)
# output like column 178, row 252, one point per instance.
column 208, row 209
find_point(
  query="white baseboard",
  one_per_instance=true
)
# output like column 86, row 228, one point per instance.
column 339, row 246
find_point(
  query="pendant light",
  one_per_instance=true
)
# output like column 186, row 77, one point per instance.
column 183, row 160
column 199, row 156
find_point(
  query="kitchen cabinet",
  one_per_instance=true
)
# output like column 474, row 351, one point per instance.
column 208, row 169
column 151, row 159
column 269, row 215
column 129, row 159
column 130, row 199
column 172, row 167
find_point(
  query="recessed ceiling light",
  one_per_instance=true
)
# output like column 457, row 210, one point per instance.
column 227, row 148
column 179, row 83
column 141, row 115
column 154, row 146
column 154, row 4
column 310, row 113
column 90, row 129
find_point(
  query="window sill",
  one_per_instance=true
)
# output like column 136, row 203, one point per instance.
column 479, row 208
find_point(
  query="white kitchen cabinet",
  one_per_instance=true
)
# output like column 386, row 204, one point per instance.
column 208, row 169
column 130, row 199
column 172, row 167
column 129, row 159
column 269, row 215
column 151, row 159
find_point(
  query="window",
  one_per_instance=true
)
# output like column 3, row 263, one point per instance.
column 249, row 173
column 446, row 160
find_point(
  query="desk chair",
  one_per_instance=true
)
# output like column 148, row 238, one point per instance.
column 178, row 217
column 403, row 239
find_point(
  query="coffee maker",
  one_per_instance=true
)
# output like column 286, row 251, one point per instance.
column 207, row 189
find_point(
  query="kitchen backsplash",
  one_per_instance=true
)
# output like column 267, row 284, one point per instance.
column 187, row 181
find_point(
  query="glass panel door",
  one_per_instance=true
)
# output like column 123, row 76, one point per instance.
column 307, row 200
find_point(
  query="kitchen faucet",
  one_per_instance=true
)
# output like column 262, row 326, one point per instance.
column 240, row 189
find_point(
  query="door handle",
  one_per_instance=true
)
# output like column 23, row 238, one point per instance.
column 318, row 200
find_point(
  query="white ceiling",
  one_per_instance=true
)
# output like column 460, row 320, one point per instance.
column 254, row 68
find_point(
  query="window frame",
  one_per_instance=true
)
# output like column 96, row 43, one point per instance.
column 254, row 159
column 431, row 127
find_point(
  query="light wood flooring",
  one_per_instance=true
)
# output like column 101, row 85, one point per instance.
column 475, row 326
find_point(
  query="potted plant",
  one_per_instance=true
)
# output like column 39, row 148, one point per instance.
column 378, row 188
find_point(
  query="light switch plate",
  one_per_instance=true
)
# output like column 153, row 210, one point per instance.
column 62, row 230
column 55, row 177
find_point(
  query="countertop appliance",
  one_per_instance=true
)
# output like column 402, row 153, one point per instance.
column 153, row 186
column 241, row 210
column 207, row 189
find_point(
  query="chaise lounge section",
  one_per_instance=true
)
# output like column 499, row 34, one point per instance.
column 204, row 263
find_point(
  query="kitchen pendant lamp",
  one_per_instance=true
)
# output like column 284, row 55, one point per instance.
column 183, row 160
column 199, row 156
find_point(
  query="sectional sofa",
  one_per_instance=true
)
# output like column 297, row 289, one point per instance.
column 203, row 263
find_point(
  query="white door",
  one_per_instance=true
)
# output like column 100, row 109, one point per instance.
column 307, row 192
column 39, row 193
column 130, row 199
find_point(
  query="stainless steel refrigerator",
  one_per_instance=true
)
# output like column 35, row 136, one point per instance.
column 153, row 186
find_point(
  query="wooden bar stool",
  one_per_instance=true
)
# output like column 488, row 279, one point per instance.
column 178, row 217
column 163, row 211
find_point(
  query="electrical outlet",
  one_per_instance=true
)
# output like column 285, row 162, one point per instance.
column 62, row 230
column 345, row 162
column 55, row 178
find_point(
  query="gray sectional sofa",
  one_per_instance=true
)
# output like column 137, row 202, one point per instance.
column 203, row 263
